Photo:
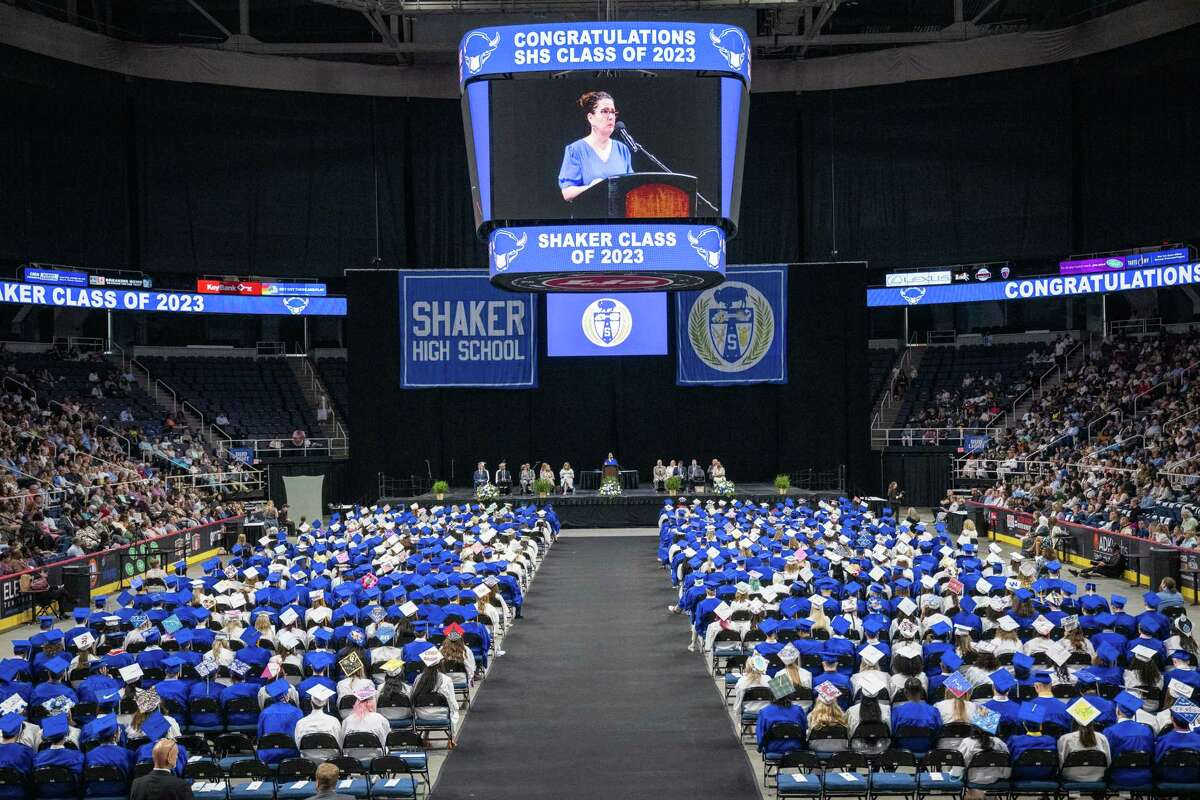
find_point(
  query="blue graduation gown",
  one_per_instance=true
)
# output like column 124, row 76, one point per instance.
column 1128, row 736
column 1009, row 710
column 239, row 690
column 776, row 713
column 60, row 757
column 20, row 758
column 278, row 718
column 1024, row 741
column 44, row 691
column 201, row 690
column 174, row 689
column 837, row 679
column 916, row 714
column 111, row 755
column 1056, row 711
column 1173, row 740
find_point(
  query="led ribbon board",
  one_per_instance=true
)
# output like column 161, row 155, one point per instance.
column 605, row 156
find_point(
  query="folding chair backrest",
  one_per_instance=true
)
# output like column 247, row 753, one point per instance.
column 297, row 768
column 938, row 760
column 1042, row 758
column 803, row 760
column 1085, row 758
column 896, row 760
column 848, row 762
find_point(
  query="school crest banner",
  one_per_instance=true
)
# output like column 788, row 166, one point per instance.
column 735, row 333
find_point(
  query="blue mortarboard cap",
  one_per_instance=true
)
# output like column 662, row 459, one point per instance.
column 106, row 696
column 55, row 727
column 829, row 656
column 1003, row 681
column 1151, row 599
column 1023, row 594
column 1033, row 716
column 52, row 635
column 840, row 625
column 950, row 659
column 940, row 628
column 172, row 664
column 155, row 726
column 211, row 564
column 320, row 661
column 1041, row 676
column 10, row 725
column 278, row 690
column 250, row 637
column 46, row 623
column 100, row 601
column 57, row 665
column 1181, row 655
column 22, row 646
column 136, row 582
column 769, row 626
column 184, row 636
column 1118, row 601
column 100, row 729
column 81, row 614
column 1053, row 566
column 1108, row 654
column 1128, row 702
column 1021, row 660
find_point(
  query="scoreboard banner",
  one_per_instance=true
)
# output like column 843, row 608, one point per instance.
column 459, row 331
column 1037, row 288
column 660, row 257
column 604, row 46
column 736, row 333
column 168, row 302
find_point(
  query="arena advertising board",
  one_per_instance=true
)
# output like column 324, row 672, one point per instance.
column 1037, row 288
column 167, row 302
column 457, row 330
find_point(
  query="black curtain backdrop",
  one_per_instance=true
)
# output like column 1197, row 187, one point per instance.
column 585, row 407
column 103, row 170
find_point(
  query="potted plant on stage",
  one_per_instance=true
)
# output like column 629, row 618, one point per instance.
column 610, row 487
column 783, row 483
column 674, row 483
column 439, row 489
column 543, row 487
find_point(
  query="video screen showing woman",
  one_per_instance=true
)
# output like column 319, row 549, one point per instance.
column 597, row 156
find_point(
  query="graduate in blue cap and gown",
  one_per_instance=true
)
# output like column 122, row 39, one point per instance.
column 1054, row 711
column 1152, row 620
column 1008, row 709
column 1129, row 736
column 239, row 689
column 173, row 687
column 1032, row 718
column 54, row 686
column 917, row 714
column 108, row 751
column 1180, row 737
column 831, row 674
column 54, row 731
column 14, row 754
column 780, row 709
column 157, row 727
column 279, row 717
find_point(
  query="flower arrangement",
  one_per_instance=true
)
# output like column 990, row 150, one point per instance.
column 487, row 492
column 723, row 487
column 610, row 487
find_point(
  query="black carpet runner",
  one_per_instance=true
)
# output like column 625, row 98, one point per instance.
column 597, row 697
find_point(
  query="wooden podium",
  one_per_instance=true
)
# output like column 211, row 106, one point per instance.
column 644, row 195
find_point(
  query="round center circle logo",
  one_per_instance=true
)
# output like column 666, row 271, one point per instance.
column 731, row 327
column 606, row 322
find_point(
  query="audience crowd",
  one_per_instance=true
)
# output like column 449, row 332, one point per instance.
column 75, row 480
column 852, row 642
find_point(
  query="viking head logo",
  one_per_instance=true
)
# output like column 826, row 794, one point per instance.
column 476, row 49
column 913, row 294
column 709, row 244
column 295, row 305
column 505, row 247
column 732, row 45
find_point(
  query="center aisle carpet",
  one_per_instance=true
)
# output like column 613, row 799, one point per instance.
column 597, row 696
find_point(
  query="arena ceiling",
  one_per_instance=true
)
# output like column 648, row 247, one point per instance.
column 412, row 33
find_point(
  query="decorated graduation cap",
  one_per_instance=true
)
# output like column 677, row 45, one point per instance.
column 320, row 693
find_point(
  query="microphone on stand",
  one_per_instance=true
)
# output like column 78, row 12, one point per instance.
column 634, row 147
column 628, row 137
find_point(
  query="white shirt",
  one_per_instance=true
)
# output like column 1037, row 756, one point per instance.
column 373, row 722
column 1069, row 744
column 347, row 686
column 319, row 722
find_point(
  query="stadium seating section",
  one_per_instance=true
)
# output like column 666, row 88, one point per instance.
column 335, row 374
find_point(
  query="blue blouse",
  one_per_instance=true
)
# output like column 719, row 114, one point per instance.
column 581, row 165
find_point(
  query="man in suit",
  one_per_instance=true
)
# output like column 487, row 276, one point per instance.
column 695, row 476
column 481, row 475
column 327, row 778
column 503, row 478
column 161, row 783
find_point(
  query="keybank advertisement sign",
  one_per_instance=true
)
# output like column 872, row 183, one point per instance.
column 168, row 302
column 457, row 330
column 1037, row 288
column 604, row 45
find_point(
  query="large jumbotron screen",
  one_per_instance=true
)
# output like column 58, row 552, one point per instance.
column 606, row 156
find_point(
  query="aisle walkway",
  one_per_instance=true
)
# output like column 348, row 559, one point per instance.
column 596, row 697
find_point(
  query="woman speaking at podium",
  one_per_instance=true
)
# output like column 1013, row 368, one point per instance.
column 597, row 156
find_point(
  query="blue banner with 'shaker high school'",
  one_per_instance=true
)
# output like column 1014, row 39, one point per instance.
column 457, row 330
column 735, row 333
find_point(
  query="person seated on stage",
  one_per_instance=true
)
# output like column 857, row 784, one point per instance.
column 481, row 476
column 660, row 477
column 675, row 469
column 503, row 478
column 526, row 479
column 716, row 471
column 566, row 477
column 546, row 472
column 695, row 477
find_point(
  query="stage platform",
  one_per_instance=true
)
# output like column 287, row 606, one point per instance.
column 635, row 508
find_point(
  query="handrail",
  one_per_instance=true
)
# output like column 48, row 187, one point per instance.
column 1119, row 414
column 10, row 379
column 919, row 437
column 1167, row 425
column 1173, row 377
column 186, row 477
column 128, row 444
column 889, row 393
column 186, row 406
column 336, row 445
